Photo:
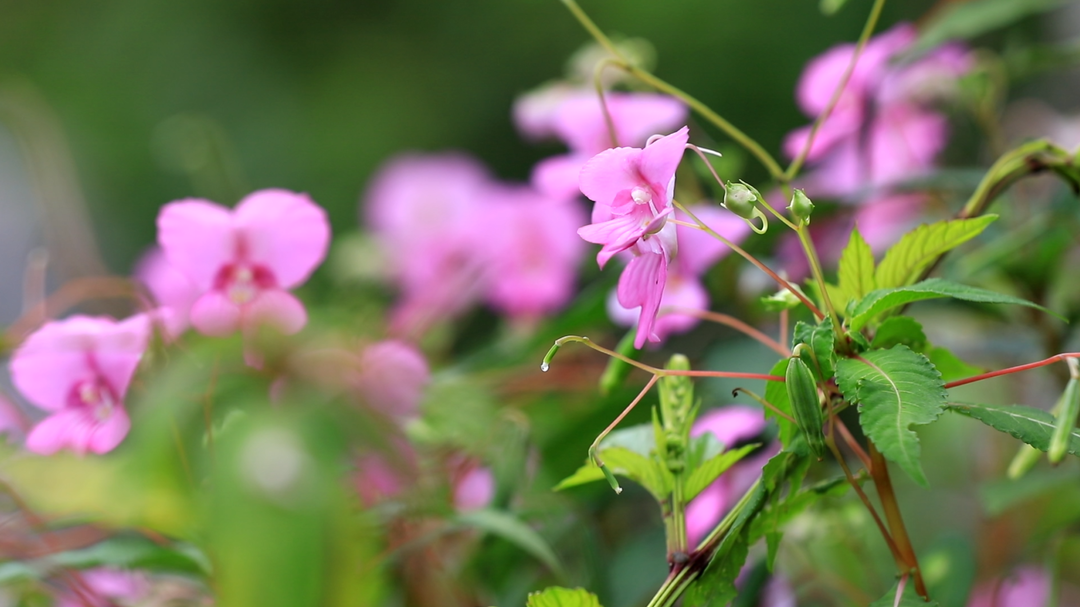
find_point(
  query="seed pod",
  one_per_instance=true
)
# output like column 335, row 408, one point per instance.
column 1066, row 421
column 740, row 199
column 803, row 394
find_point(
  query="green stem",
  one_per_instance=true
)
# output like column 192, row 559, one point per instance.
column 868, row 30
column 741, row 138
column 819, row 277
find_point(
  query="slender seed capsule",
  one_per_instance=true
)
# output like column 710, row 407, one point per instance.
column 1066, row 421
column 805, row 404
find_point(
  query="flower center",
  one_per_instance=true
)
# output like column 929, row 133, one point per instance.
column 242, row 282
column 95, row 396
column 640, row 195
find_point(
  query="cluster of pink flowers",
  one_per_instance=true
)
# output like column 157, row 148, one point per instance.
column 452, row 236
column 883, row 131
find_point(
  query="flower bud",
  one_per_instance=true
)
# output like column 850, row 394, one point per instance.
column 800, row 208
column 740, row 199
column 805, row 403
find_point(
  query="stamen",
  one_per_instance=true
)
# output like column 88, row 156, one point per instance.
column 640, row 195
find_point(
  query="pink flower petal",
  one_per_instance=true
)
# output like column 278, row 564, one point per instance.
column 278, row 309
column 475, row 490
column 730, row 424
column 580, row 120
column 170, row 288
column 67, row 428
column 660, row 159
column 105, row 436
column 617, row 234
column 215, row 314
column 557, row 176
column 392, row 377
column 197, row 237
column 705, row 510
column 642, row 285
column 284, row 231
column 610, row 172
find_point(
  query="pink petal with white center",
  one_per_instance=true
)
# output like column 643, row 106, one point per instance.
column 215, row 314
column 642, row 285
column 285, row 232
column 617, row 234
column 660, row 159
column 119, row 349
column 278, row 309
column 198, row 238
column 608, row 173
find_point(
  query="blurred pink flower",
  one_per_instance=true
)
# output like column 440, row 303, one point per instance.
column 171, row 289
column 729, row 425
column 107, row 586
column 79, row 369
column 698, row 251
column 244, row 260
column 577, row 118
column 882, row 130
column 392, row 377
column 474, row 489
column 533, row 253
column 1025, row 587
column 377, row 479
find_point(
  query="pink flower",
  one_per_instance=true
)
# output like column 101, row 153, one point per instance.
column 429, row 214
column 105, row 586
column 634, row 187
column 170, row 288
column 244, row 260
column 79, row 369
column 392, row 378
column 474, row 489
column 729, row 425
column 1027, row 586
column 577, row 118
column 534, row 251
column 698, row 251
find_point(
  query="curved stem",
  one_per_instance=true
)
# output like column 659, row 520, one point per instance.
column 729, row 129
column 1000, row 372
column 594, row 449
column 819, row 277
column 734, row 247
column 868, row 29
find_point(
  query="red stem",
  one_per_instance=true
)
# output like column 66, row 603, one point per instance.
column 1034, row 365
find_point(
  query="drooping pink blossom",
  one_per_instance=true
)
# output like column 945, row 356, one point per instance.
column 78, row 369
column 577, row 118
column 245, row 260
column 391, row 378
column 171, row 289
column 730, row 425
column 474, row 489
column 633, row 189
column 1027, row 586
column 698, row 251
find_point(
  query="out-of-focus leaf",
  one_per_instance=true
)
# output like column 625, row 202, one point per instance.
column 965, row 20
column 1000, row 495
column 830, row 7
column 883, row 300
column 909, row 598
column 855, row 272
column 1033, row 426
column 639, row 439
column 136, row 552
column 562, row 597
column 895, row 389
column 920, row 247
column 949, row 567
column 900, row 330
column 950, row 366
column 709, row 471
column 513, row 530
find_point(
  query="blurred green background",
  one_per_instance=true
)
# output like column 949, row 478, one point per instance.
column 156, row 97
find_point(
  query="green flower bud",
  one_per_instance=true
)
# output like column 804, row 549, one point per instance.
column 740, row 199
column 805, row 403
column 800, row 208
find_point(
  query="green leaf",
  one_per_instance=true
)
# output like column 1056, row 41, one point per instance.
column 513, row 530
column 1033, row 426
column 909, row 599
column 640, row 439
column 970, row 19
column 644, row 471
column 895, row 389
column 883, row 300
column 922, row 246
column 136, row 552
column 900, row 330
column 856, row 269
column 830, row 7
column 704, row 475
column 1000, row 495
column 820, row 339
column 562, row 597
column 950, row 366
